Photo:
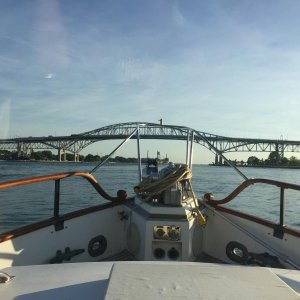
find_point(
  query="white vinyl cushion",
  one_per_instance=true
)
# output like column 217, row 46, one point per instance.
column 195, row 281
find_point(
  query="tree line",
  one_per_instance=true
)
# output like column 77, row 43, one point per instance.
column 274, row 159
column 47, row 155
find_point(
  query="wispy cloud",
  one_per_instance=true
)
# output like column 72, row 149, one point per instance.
column 50, row 34
column 49, row 76
column 221, row 66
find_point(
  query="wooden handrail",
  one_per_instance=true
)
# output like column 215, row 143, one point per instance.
column 245, row 184
column 122, row 195
column 52, row 221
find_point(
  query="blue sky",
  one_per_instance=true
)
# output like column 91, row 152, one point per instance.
column 227, row 67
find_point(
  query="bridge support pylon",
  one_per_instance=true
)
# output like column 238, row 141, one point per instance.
column 76, row 157
column 218, row 159
column 280, row 150
column 62, row 152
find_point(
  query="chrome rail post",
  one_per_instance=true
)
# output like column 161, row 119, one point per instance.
column 191, row 151
column 217, row 151
column 139, row 151
column 187, row 147
column 111, row 153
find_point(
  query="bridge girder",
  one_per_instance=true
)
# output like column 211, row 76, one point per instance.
column 77, row 142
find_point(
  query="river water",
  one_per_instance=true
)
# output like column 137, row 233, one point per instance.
column 24, row 205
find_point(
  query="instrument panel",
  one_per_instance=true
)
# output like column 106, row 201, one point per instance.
column 166, row 232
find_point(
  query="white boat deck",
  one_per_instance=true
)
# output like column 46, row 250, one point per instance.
column 149, row 280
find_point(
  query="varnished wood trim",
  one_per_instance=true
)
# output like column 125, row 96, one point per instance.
column 122, row 195
column 45, row 223
column 248, row 182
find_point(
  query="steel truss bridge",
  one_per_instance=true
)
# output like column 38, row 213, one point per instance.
column 77, row 142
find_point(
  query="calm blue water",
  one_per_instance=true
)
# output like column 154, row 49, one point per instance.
column 23, row 205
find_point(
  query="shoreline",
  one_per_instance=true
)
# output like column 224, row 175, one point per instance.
column 118, row 163
column 257, row 166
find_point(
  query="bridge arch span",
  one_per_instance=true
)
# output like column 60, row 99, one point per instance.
column 216, row 143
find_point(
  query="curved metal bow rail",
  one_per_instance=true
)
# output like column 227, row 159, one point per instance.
column 121, row 195
column 279, row 229
column 248, row 182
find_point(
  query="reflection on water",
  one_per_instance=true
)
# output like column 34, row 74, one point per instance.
column 31, row 203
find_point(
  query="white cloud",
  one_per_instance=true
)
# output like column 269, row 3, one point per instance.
column 49, row 76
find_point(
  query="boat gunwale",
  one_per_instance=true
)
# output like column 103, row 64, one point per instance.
column 217, row 204
column 9, row 235
column 255, row 219
column 57, row 218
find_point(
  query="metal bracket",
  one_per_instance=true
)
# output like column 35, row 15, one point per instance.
column 123, row 215
column 67, row 255
column 278, row 231
column 59, row 223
